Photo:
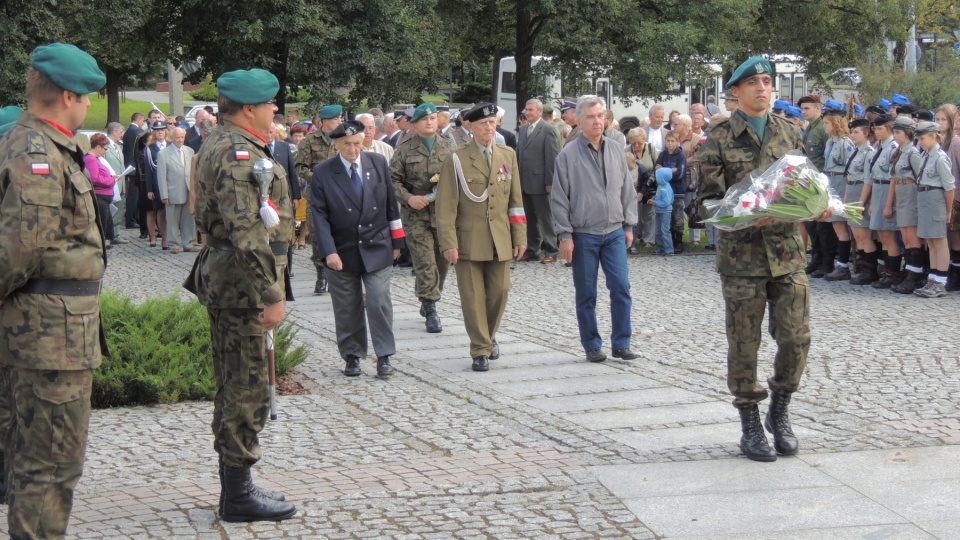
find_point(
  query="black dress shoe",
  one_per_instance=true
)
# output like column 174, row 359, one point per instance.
column 625, row 354
column 481, row 363
column 353, row 367
column 384, row 369
column 495, row 353
column 596, row 355
column 321, row 286
column 144, row 236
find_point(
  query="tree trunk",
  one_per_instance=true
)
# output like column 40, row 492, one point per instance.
column 280, row 70
column 113, row 95
column 524, row 54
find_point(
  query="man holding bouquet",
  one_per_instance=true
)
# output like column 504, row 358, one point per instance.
column 758, row 265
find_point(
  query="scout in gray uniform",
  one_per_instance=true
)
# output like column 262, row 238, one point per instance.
column 935, row 185
column 903, row 197
column 858, row 173
column 882, row 220
column 839, row 148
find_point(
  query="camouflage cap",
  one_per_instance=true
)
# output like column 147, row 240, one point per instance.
column 8, row 117
column 755, row 65
column 248, row 86
column 68, row 67
column 423, row 110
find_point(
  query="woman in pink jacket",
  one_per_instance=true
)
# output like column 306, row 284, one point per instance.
column 102, row 180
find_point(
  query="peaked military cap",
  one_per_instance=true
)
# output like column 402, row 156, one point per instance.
column 755, row 65
column 481, row 111
column 347, row 129
column 330, row 111
column 248, row 86
column 68, row 67
column 158, row 125
column 8, row 117
column 728, row 95
column 409, row 112
column 900, row 99
column 904, row 123
column 927, row 127
column 422, row 110
column 567, row 105
column 398, row 114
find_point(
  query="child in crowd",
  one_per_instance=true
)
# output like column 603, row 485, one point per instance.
column 664, row 202
column 673, row 160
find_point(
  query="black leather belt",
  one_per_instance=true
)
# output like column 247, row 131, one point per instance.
column 854, row 182
column 881, row 181
column 278, row 248
column 60, row 287
column 835, row 174
column 921, row 189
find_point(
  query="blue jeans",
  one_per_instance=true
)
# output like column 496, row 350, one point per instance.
column 664, row 236
column 609, row 251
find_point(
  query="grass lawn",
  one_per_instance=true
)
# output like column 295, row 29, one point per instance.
column 97, row 113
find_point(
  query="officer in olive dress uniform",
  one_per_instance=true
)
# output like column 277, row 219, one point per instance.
column 415, row 169
column 52, row 257
column 240, row 277
column 315, row 148
column 482, row 224
column 759, row 266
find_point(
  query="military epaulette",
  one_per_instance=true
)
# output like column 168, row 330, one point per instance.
column 239, row 142
column 36, row 143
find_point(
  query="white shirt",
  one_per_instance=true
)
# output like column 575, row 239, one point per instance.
column 346, row 165
column 655, row 137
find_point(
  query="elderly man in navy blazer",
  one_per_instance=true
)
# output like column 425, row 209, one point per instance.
column 357, row 223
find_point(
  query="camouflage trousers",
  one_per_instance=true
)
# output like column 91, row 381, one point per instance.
column 6, row 419
column 746, row 299
column 240, row 366
column 429, row 266
column 48, row 445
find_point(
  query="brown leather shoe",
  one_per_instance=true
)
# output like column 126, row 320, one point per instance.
column 548, row 259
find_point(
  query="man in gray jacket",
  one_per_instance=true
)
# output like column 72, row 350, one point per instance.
column 537, row 147
column 594, row 211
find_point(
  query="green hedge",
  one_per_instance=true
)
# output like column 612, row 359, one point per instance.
column 160, row 352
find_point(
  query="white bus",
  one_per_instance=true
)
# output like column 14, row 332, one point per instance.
column 790, row 83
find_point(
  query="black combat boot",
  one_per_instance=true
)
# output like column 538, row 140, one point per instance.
column 290, row 260
column 816, row 259
column 428, row 309
column 913, row 281
column 241, row 504
column 778, row 423
column 826, row 265
column 384, row 369
column 3, row 481
column 321, row 286
column 256, row 491
column 754, row 443
column 953, row 278
column 678, row 242
column 869, row 273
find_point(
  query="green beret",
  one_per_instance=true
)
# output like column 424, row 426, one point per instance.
column 423, row 110
column 8, row 117
column 755, row 65
column 331, row 111
column 248, row 86
column 68, row 67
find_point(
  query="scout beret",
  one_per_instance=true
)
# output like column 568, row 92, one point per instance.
column 904, row 123
column 924, row 115
column 422, row 110
column 875, row 109
column 330, row 111
column 810, row 98
column 481, row 111
column 834, row 104
column 833, row 112
column 158, row 125
column 884, row 104
column 900, row 99
column 347, row 129
column 248, row 86
column 794, row 112
column 728, row 96
column 858, row 109
column 398, row 114
column 755, row 65
column 8, row 116
column 68, row 67
column 567, row 105
column 927, row 127
column 906, row 109
column 860, row 123
column 781, row 104
column 882, row 119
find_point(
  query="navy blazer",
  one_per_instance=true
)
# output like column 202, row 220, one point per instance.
column 363, row 233
column 151, row 154
column 284, row 158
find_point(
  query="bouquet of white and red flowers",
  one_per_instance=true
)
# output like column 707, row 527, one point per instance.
column 792, row 189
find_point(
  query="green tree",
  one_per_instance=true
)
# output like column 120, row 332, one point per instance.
column 23, row 26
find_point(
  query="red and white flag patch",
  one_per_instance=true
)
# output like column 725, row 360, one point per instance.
column 243, row 155
column 40, row 168
column 396, row 229
column 517, row 215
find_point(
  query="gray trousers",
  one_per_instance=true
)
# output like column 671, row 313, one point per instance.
column 180, row 226
column 540, row 230
column 648, row 223
column 346, row 295
column 120, row 214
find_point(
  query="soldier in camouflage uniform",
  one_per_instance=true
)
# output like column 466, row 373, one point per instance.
column 317, row 147
column 240, row 277
column 759, row 266
column 52, row 257
column 415, row 169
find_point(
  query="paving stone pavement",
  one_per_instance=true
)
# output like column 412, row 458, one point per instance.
column 547, row 445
